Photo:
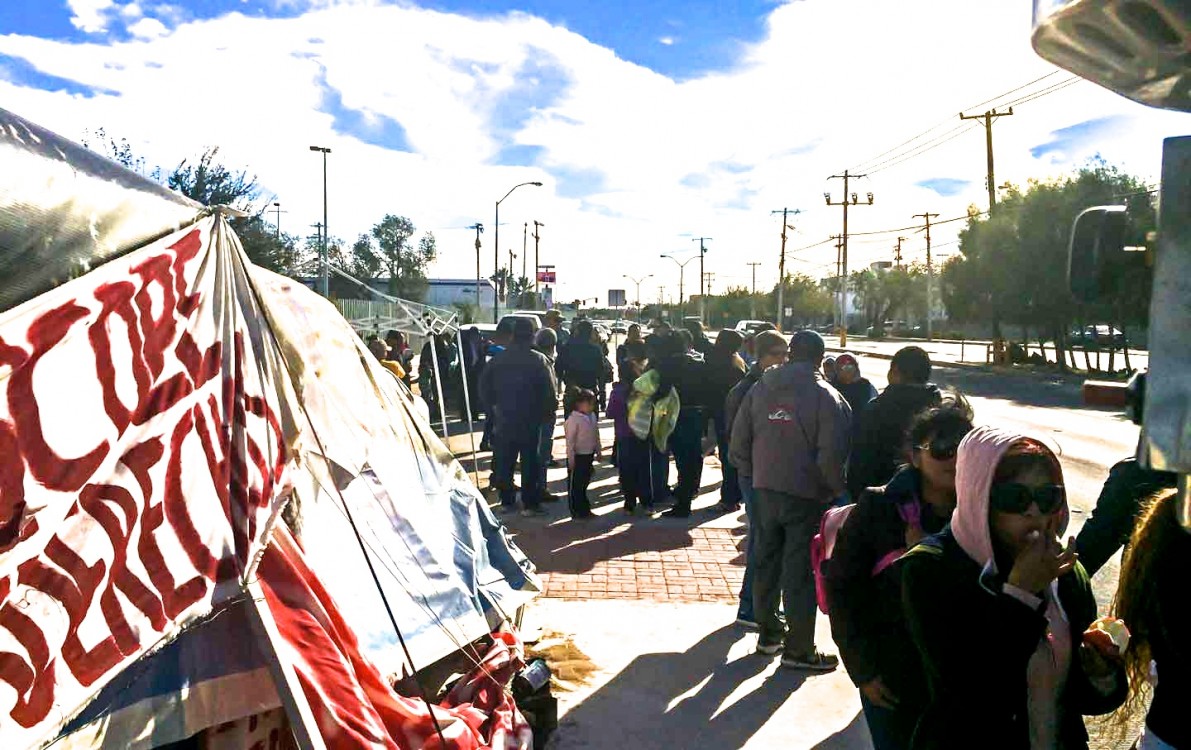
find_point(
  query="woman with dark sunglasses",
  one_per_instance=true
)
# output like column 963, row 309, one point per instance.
column 864, row 585
column 999, row 609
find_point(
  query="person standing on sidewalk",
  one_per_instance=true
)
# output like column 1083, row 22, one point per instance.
column 519, row 387
column 545, row 341
column 791, row 436
column 864, row 589
column 684, row 370
column 631, row 452
column 583, row 447
column 725, row 369
column 770, row 350
column 881, row 448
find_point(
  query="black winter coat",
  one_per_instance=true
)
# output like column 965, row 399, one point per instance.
column 880, row 444
column 867, row 623
column 1116, row 510
column 520, row 389
column 975, row 647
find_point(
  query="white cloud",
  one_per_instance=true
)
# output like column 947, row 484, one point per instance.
column 631, row 160
column 666, row 40
column 90, row 16
column 148, row 28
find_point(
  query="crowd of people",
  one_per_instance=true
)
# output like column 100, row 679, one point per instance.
column 931, row 542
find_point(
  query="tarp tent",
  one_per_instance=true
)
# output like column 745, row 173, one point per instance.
column 212, row 500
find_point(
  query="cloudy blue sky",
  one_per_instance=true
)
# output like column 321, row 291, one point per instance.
column 648, row 123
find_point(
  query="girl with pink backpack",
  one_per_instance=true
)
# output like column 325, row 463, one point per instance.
column 860, row 582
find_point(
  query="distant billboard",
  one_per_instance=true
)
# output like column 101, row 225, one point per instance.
column 616, row 298
column 547, row 277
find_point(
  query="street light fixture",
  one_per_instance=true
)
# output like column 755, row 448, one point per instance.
column 637, row 299
column 496, row 245
column 323, row 259
column 681, row 269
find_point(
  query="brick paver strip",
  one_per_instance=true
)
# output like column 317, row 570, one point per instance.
column 612, row 558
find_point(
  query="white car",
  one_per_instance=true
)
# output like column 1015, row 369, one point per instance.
column 752, row 326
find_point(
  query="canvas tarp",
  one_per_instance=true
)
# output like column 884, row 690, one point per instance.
column 156, row 416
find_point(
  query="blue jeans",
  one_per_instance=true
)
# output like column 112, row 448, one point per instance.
column 505, row 451
column 545, row 451
column 687, row 444
column 890, row 729
column 730, row 486
column 745, row 610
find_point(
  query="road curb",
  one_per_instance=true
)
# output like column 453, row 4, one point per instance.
column 975, row 367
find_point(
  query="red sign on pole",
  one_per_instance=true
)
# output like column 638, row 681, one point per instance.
column 547, row 277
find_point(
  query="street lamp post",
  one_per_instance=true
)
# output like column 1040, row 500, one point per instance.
column 323, row 260
column 496, row 245
column 637, row 299
column 681, row 268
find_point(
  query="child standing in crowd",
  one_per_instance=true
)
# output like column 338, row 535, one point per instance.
column 583, row 446
column 631, row 452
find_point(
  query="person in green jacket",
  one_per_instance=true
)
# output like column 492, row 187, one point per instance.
column 998, row 609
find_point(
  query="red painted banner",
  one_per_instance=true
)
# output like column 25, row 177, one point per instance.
column 141, row 453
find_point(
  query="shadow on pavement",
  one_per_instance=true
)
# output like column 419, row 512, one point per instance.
column 1028, row 391
column 855, row 736
column 673, row 700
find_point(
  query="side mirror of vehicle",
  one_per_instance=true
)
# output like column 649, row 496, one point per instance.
column 1095, row 253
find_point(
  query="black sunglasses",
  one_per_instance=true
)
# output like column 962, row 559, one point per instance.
column 943, row 447
column 1011, row 497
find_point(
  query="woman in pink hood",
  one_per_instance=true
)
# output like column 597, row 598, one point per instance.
column 998, row 608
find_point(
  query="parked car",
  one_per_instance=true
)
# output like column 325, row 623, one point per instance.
column 620, row 326
column 1098, row 335
column 753, row 326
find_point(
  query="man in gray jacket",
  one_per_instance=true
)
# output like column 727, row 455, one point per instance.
column 791, row 436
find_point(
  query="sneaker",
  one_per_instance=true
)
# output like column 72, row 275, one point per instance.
column 813, row 662
column 533, row 512
column 768, row 648
column 747, row 623
column 677, row 513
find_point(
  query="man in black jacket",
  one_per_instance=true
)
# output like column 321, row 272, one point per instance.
column 880, row 445
column 520, row 389
column 1128, row 485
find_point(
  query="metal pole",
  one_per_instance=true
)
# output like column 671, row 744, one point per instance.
column 438, row 378
column 326, row 231
column 537, row 264
column 496, row 264
column 524, row 256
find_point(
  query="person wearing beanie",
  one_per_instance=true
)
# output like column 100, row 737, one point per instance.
column 519, row 386
column 791, row 435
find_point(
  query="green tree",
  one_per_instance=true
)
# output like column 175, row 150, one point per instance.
column 808, row 300
column 389, row 250
column 1014, row 264
column 211, row 183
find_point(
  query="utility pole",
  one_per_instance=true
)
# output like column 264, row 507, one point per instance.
column 988, row 118
column 781, row 264
column 897, row 251
column 707, row 278
column 537, row 299
column 524, row 247
column 843, row 304
column 702, row 294
column 479, row 230
column 930, row 275
column 753, row 297
column 509, row 279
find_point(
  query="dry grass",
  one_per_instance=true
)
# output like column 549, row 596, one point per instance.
column 570, row 668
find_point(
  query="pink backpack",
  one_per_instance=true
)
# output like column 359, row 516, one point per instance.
column 823, row 545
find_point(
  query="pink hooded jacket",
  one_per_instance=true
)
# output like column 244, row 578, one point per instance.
column 979, row 454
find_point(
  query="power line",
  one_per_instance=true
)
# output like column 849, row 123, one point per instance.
column 899, row 153
column 1014, row 91
column 929, row 146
